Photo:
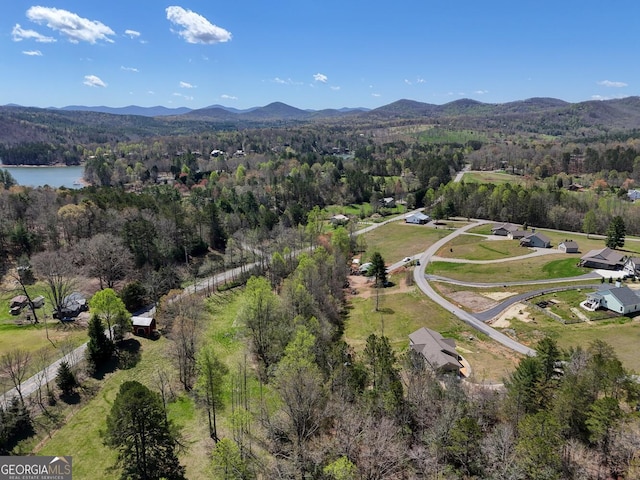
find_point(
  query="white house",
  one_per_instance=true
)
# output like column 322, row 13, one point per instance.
column 619, row 299
column 418, row 218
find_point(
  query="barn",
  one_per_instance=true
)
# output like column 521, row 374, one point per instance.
column 143, row 326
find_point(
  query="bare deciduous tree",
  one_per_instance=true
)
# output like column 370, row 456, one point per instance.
column 57, row 271
column 107, row 258
column 14, row 364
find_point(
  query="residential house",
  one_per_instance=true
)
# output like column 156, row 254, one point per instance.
column 72, row 305
column 536, row 240
column 417, row 218
column 339, row 219
column 388, row 202
column 604, row 258
column 143, row 326
column 575, row 187
column 568, row 246
column 633, row 195
column 503, row 229
column 619, row 299
column 517, row 234
column 438, row 352
column 632, row 266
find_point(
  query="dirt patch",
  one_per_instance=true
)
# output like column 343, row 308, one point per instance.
column 517, row 310
column 499, row 295
column 362, row 286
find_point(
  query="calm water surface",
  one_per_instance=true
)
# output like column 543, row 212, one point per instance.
column 53, row 176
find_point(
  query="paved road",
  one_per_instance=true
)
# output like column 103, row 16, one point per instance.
column 468, row 318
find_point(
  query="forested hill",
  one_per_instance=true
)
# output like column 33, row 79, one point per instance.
column 547, row 116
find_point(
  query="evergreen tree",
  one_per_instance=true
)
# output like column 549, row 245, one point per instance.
column 99, row 347
column 616, row 233
column 378, row 270
column 145, row 439
column 65, row 379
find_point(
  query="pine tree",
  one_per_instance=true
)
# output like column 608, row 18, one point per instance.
column 616, row 233
column 100, row 348
column 65, row 379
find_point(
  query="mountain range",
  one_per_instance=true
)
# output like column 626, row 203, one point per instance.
column 549, row 116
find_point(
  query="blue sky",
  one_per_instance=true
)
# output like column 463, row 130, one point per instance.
column 315, row 53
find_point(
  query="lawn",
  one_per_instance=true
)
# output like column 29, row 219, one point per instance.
column 621, row 333
column 473, row 247
column 492, row 177
column 404, row 309
column 397, row 240
column 535, row 268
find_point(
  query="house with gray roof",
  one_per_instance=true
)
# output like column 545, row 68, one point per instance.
column 517, row 234
column 438, row 352
column 417, row 218
column 503, row 229
column 603, row 258
column 619, row 299
column 536, row 240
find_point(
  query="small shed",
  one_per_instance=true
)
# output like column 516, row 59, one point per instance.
column 568, row 246
column 143, row 326
column 18, row 301
column 38, row 301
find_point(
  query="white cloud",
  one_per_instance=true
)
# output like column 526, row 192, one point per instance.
column 196, row 28
column 287, row 81
column 131, row 33
column 228, row 97
column 335, row 88
column 93, row 81
column 129, row 69
column 408, row 82
column 481, row 92
column 32, row 53
column 186, row 85
column 375, row 95
column 609, row 83
column 320, row 77
column 74, row 27
column 20, row 34
column 599, row 97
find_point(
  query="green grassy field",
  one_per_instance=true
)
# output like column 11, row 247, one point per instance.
column 492, row 177
column 403, row 310
column 473, row 247
column 535, row 268
column 397, row 240
column 621, row 333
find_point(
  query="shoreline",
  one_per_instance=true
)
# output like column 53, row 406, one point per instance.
column 57, row 165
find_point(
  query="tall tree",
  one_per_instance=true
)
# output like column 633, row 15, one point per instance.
column 107, row 258
column 211, row 372
column 589, row 224
column 616, row 233
column 99, row 347
column 108, row 306
column 56, row 269
column 145, row 439
column 15, row 364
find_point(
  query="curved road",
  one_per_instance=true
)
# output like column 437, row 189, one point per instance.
column 423, row 284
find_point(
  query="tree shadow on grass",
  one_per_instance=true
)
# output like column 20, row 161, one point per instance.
column 71, row 398
column 129, row 353
column 108, row 367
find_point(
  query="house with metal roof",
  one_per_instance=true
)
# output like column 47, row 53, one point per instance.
column 503, row 229
column 438, row 352
column 619, row 299
column 417, row 218
column 143, row 326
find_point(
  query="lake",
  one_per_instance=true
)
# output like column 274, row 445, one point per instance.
column 69, row 177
